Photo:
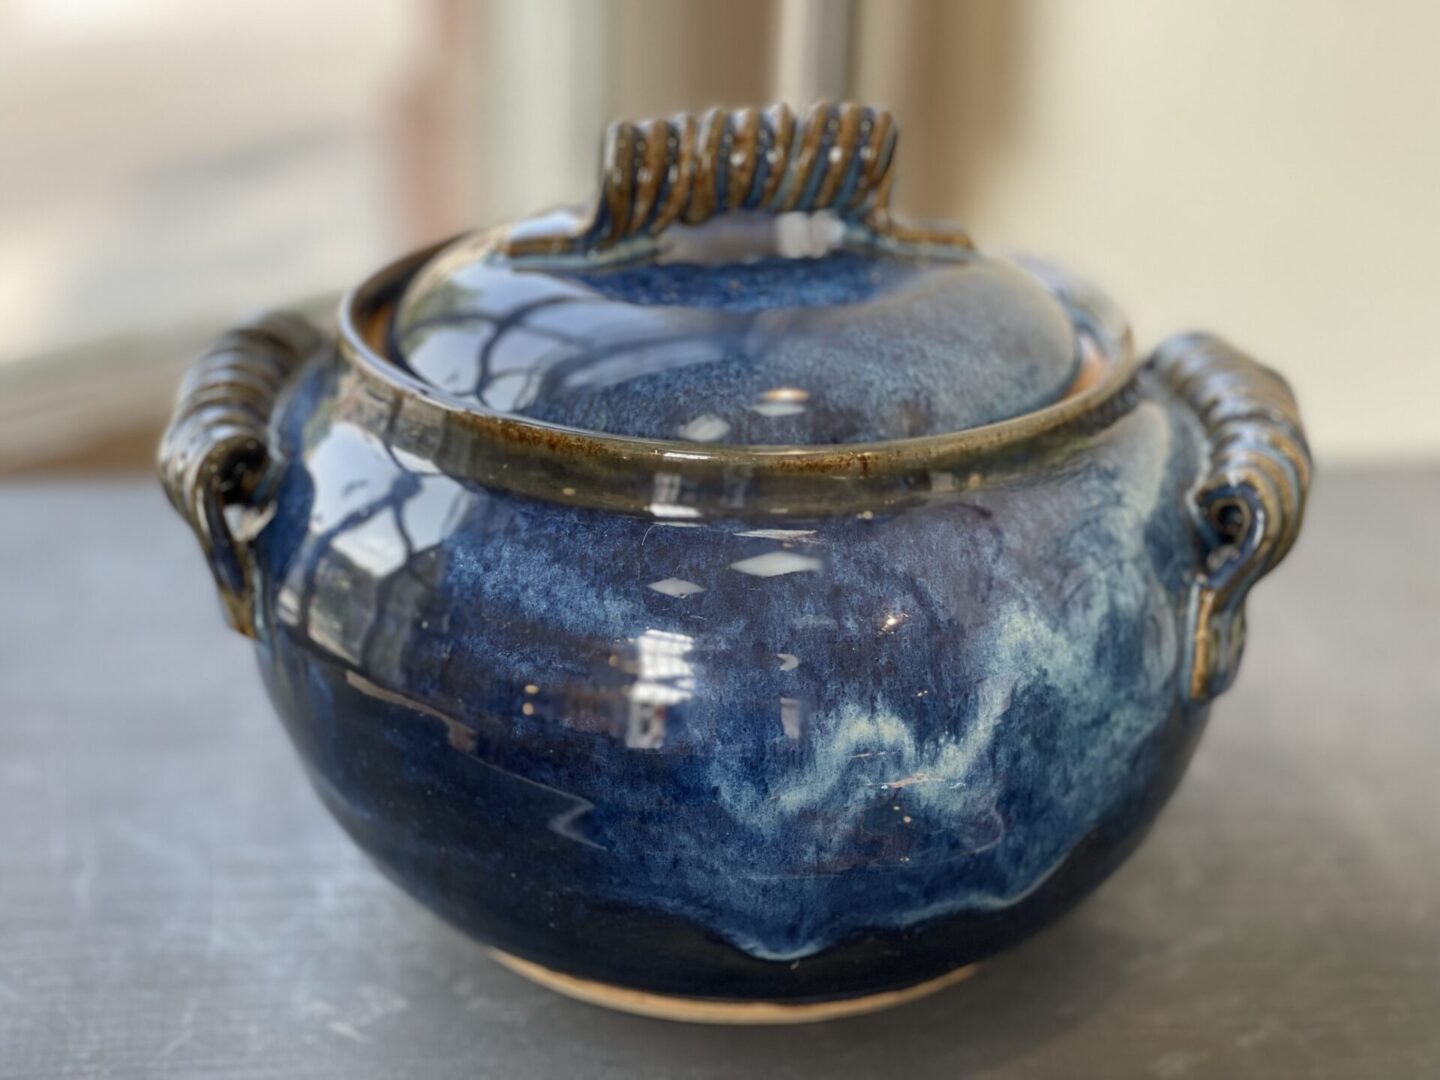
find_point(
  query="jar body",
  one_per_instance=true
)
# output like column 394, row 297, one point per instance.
column 741, row 757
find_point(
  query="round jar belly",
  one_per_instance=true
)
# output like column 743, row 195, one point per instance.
column 754, row 743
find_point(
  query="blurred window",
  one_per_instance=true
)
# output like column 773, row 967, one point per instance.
column 165, row 160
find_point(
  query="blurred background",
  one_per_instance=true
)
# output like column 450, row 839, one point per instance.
column 1269, row 170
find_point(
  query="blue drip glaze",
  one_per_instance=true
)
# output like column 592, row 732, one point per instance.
column 982, row 715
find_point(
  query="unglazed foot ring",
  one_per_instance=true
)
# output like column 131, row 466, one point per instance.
column 718, row 1010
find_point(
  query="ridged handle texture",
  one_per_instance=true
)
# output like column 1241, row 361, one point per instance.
column 215, row 449
column 1251, row 501
column 687, row 169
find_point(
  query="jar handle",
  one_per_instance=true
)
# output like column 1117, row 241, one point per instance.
column 686, row 170
column 215, row 453
column 1249, row 505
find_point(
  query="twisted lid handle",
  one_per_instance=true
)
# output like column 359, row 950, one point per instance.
column 684, row 170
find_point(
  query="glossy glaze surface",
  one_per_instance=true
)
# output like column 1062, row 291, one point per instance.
column 691, row 621
column 842, row 348
column 731, row 757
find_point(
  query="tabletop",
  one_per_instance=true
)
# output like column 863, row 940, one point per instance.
column 174, row 902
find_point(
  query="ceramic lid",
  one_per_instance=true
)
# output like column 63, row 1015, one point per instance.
column 801, row 315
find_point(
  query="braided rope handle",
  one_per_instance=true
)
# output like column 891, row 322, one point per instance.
column 1250, row 505
column 215, row 449
column 684, row 170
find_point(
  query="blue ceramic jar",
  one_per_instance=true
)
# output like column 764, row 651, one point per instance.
column 733, row 603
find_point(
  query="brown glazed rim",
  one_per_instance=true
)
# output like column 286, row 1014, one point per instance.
column 617, row 472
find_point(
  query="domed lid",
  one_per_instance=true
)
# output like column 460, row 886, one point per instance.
column 804, row 315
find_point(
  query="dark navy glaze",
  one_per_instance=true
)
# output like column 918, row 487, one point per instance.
column 702, row 622
column 845, row 348
column 743, row 757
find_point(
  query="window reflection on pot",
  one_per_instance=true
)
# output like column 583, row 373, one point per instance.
column 369, row 548
column 664, row 678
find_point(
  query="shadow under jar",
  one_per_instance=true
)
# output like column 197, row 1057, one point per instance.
column 732, row 603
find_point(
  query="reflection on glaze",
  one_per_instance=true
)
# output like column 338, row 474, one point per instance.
column 844, row 348
column 663, row 678
column 775, row 563
column 676, row 587
column 787, row 738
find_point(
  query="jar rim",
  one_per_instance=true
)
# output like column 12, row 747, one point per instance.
column 679, row 479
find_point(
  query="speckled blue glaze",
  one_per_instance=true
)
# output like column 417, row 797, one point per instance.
column 736, row 757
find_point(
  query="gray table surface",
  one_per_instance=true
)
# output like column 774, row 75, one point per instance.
column 175, row 903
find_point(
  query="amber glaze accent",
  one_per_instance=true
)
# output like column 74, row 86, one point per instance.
column 1251, row 502
column 1093, row 365
column 214, row 453
column 716, row 1010
column 655, row 173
